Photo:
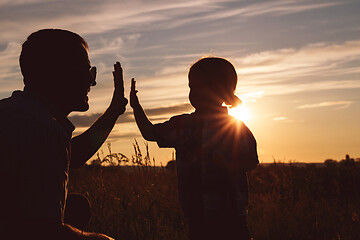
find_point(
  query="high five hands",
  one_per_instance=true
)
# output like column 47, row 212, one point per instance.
column 118, row 102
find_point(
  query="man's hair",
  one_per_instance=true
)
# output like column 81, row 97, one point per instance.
column 46, row 52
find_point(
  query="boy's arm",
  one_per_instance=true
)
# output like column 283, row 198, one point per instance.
column 85, row 145
column 145, row 126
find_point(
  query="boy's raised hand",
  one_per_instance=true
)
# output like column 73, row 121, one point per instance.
column 134, row 101
column 118, row 102
column 145, row 126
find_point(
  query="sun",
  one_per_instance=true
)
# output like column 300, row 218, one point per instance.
column 240, row 112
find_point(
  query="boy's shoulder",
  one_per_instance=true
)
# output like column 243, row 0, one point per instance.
column 238, row 123
column 182, row 118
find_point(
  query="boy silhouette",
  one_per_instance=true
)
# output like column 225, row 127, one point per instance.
column 213, row 152
column 35, row 138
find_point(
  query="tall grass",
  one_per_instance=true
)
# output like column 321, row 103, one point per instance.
column 312, row 202
column 138, row 202
column 286, row 201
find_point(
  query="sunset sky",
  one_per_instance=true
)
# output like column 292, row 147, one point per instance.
column 298, row 64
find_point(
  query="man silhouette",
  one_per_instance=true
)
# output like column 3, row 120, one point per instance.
column 36, row 148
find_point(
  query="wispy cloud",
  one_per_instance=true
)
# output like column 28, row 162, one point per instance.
column 117, row 29
column 313, row 67
column 242, row 10
column 117, row 136
column 310, row 58
column 280, row 118
column 160, row 113
column 252, row 96
column 98, row 17
column 285, row 7
column 10, row 76
column 91, row 17
column 18, row 2
column 340, row 104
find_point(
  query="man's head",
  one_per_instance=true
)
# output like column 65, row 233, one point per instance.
column 56, row 66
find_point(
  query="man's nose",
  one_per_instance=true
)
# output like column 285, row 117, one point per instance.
column 93, row 76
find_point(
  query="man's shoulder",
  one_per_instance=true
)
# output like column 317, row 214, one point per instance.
column 13, row 111
column 6, row 103
column 10, row 111
column 13, row 104
column 19, row 117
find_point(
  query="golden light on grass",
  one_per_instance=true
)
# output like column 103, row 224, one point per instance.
column 240, row 112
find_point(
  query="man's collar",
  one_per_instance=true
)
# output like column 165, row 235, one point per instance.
column 65, row 122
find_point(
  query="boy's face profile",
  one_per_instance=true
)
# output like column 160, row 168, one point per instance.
column 202, row 96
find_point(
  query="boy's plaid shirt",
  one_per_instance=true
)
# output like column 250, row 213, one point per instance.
column 213, row 153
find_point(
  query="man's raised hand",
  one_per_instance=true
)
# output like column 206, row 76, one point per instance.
column 118, row 102
column 118, row 78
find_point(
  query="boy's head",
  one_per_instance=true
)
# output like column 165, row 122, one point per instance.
column 212, row 81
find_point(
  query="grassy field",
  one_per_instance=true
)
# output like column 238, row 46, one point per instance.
column 286, row 201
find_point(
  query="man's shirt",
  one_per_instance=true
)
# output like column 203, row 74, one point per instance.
column 212, row 156
column 34, row 161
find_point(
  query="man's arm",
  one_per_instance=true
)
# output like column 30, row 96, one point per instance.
column 46, row 230
column 145, row 126
column 69, row 232
column 85, row 145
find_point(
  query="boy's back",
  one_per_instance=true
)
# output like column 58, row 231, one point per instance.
column 210, row 150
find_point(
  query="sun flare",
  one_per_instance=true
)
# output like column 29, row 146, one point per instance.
column 241, row 112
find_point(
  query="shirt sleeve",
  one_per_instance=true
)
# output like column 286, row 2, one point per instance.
column 167, row 133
